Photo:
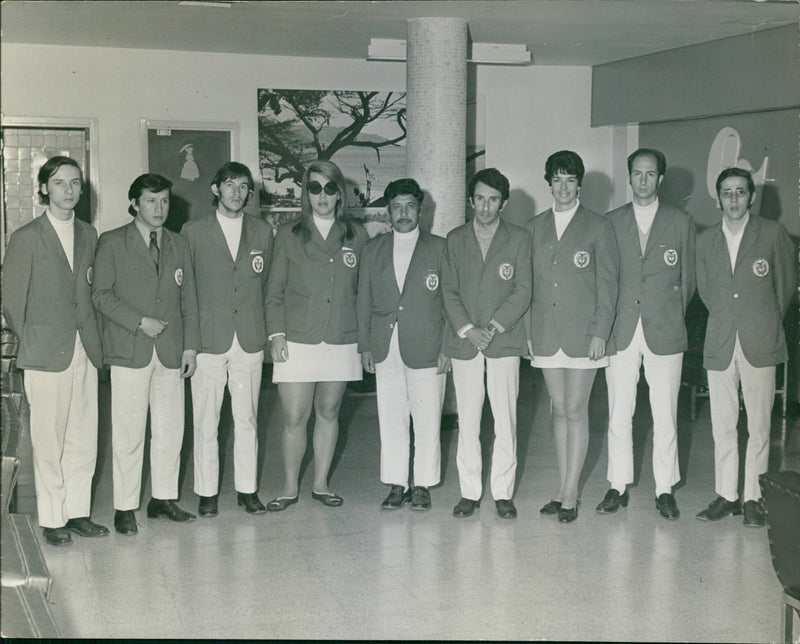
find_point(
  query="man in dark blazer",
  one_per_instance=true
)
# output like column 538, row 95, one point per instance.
column 486, row 289
column 746, row 276
column 400, row 332
column 656, row 245
column 47, row 276
column 144, row 291
column 230, row 252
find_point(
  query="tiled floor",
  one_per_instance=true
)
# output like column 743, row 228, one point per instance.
column 359, row 572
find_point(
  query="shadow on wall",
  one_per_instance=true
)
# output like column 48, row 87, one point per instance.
column 677, row 189
column 596, row 192
column 520, row 209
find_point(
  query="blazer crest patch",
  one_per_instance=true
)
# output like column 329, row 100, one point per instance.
column 257, row 263
column 761, row 267
column 349, row 257
column 432, row 281
column 179, row 276
column 670, row 257
column 90, row 275
column 582, row 259
column 506, row 271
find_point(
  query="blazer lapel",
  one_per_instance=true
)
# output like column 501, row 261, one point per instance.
column 573, row 233
column 499, row 241
column 77, row 249
column 244, row 240
column 416, row 262
column 720, row 251
column 749, row 237
column 135, row 241
column 215, row 233
column 660, row 224
column 631, row 227
column 167, row 250
column 52, row 242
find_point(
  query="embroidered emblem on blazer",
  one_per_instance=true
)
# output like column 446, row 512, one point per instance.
column 89, row 274
column 179, row 276
column 257, row 263
column 432, row 281
column 506, row 271
column 760, row 267
column 670, row 257
column 582, row 259
column 349, row 257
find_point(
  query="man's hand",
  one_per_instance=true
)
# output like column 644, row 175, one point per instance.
column 188, row 363
column 480, row 338
column 597, row 348
column 279, row 349
column 368, row 362
column 443, row 364
column 152, row 327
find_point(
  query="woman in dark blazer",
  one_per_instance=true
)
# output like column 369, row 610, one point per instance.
column 311, row 321
column 575, row 282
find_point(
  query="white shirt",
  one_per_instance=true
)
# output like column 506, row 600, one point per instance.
column 66, row 234
column 145, row 232
column 232, row 231
column 404, row 244
column 644, row 220
column 563, row 218
column 734, row 239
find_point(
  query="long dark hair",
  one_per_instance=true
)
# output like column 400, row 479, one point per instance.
column 331, row 172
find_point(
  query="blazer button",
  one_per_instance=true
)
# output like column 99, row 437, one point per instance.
column 400, row 308
column 555, row 261
column 735, row 296
column 331, row 260
column 329, row 300
column 391, row 325
column 636, row 302
column 555, row 284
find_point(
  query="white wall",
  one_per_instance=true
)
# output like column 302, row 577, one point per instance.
column 530, row 111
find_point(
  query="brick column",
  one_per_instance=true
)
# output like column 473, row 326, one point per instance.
column 436, row 86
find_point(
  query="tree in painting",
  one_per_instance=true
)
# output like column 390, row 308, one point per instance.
column 298, row 126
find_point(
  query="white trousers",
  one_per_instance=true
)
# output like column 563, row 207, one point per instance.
column 63, row 422
column 132, row 392
column 502, row 384
column 405, row 393
column 758, row 391
column 663, row 375
column 242, row 372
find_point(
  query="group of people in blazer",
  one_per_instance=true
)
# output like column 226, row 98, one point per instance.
column 572, row 292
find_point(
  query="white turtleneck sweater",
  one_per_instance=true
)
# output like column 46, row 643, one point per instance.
column 66, row 234
column 404, row 244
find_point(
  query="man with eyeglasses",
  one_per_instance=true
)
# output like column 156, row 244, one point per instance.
column 144, row 291
column 230, row 254
column 400, row 326
column 486, row 290
column 746, row 277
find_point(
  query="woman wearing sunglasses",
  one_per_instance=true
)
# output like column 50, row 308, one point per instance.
column 311, row 319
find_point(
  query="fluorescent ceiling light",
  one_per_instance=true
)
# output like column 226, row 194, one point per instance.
column 204, row 3
column 480, row 52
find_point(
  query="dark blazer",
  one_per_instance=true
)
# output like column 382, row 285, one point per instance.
column 44, row 301
column 127, row 287
column 657, row 284
column 417, row 309
column 311, row 296
column 230, row 294
column 752, row 300
column 574, row 283
column 475, row 291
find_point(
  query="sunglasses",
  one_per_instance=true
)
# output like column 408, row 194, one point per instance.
column 315, row 187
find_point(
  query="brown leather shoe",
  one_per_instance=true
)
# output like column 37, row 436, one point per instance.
column 252, row 504
column 465, row 507
column 86, row 527
column 166, row 508
column 754, row 514
column 719, row 508
column 125, row 522
column 57, row 536
column 612, row 501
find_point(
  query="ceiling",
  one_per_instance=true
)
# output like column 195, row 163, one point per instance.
column 557, row 32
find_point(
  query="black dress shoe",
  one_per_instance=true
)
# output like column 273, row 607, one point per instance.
column 86, row 527
column 281, row 503
column 327, row 498
column 252, row 504
column 397, row 496
column 505, row 509
column 125, row 522
column 667, row 506
column 57, row 536
column 719, row 508
column 207, row 506
column 465, row 507
column 612, row 501
column 420, row 498
column 754, row 514
column 551, row 507
column 166, row 508
column 568, row 515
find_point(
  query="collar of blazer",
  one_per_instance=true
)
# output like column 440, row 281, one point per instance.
column 135, row 241
column 657, row 228
column 335, row 240
column 749, row 237
column 215, row 232
column 53, row 243
column 499, row 241
column 388, row 262
column 574, row 230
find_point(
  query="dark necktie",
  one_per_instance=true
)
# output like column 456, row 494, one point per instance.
column 154, row 247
